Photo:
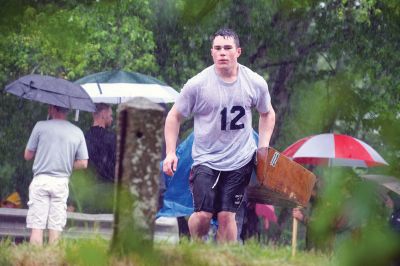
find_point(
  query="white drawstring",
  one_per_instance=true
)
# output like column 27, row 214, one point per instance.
column 216, row 181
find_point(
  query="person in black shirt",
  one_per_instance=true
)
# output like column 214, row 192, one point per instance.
column 101, row 143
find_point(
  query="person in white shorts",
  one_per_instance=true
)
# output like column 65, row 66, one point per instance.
column 220, row 98
column 57, row 147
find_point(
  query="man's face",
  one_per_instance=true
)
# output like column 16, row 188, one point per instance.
column 225, row 53
column 106, row 115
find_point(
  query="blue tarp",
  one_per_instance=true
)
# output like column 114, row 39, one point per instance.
column 178, row 199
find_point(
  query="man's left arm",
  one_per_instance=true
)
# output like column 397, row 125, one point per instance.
column 266, row 126
column 81, row 156
column 33, row 142
column 80, row 164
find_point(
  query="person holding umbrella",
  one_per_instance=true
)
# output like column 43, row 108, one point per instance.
column 220, row 98
column 57, row 147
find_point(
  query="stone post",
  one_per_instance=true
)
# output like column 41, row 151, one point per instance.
column 139, row 144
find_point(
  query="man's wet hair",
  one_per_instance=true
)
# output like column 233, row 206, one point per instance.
column 226, row 33
column 61, row 109
column 101, row 106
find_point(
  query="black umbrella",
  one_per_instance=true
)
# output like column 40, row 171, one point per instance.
column 51, row 90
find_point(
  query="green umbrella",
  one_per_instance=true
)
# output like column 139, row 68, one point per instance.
column 118, row 86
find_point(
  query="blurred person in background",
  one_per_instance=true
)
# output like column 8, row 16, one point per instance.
column 12, row 201
column 101, row 143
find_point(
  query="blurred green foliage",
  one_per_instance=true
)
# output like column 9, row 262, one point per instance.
column 86, row 252
column 351, row 219
column 85, row 191
column 5, row 255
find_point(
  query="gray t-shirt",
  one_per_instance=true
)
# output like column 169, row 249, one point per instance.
column 57, row 143
column 223, row 137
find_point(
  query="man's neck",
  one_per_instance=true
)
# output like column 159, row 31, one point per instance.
column 59, row 116
column 99, row 124
column 228, row 75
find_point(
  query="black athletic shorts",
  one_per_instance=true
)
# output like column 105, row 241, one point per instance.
column 214, row 191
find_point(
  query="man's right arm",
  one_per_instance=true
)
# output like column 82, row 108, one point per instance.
column 80, row 164
column 28, row 155
column 171, row 131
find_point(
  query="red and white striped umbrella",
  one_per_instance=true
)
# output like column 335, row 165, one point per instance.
column 334, row 150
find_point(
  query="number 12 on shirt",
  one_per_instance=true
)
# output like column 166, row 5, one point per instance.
column 236, row 112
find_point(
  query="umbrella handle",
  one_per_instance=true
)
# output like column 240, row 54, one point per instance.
column 21, row 102
column 76, row 115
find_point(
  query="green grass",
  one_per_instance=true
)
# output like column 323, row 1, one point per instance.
column 249, row 254
column 95, row 252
